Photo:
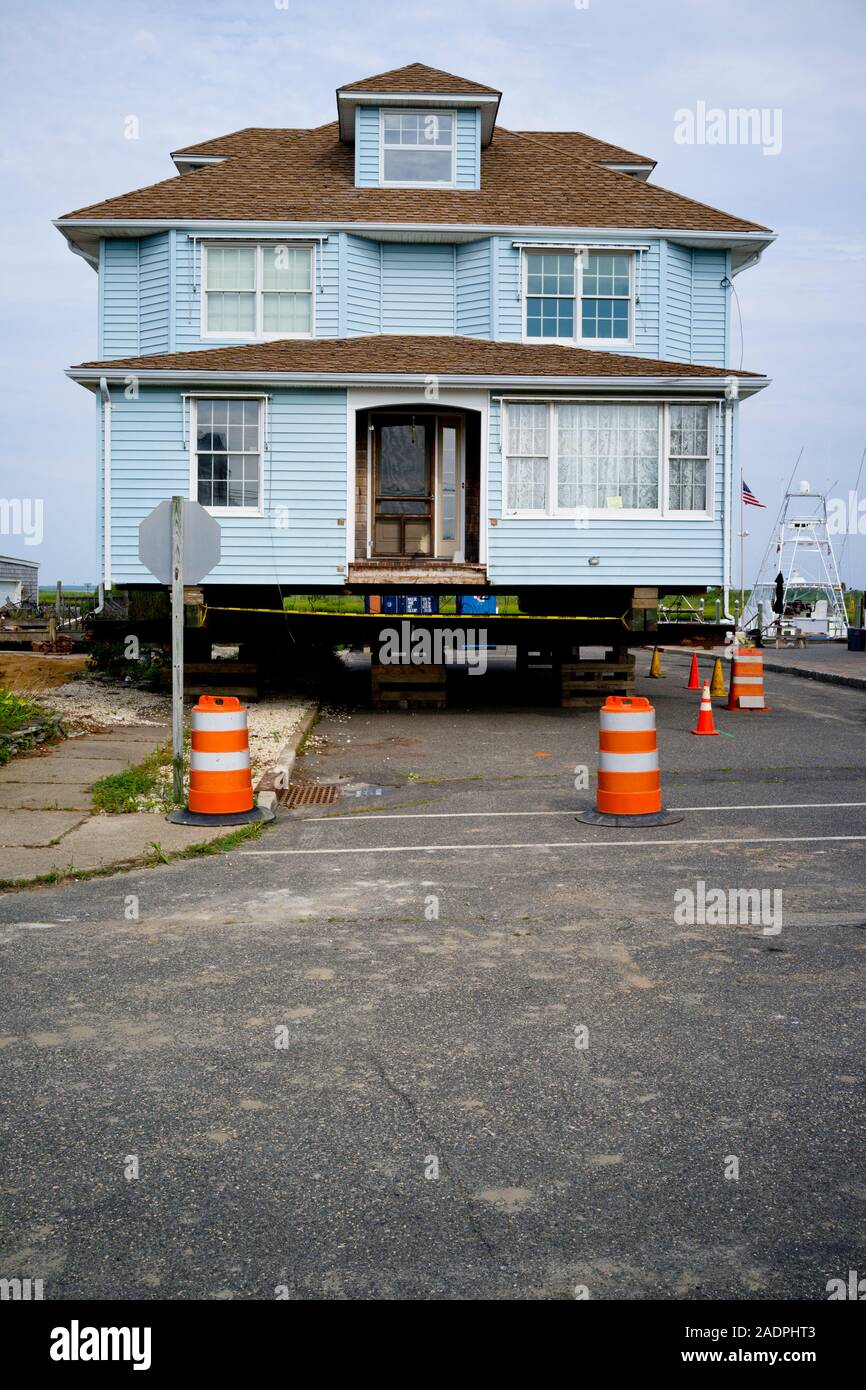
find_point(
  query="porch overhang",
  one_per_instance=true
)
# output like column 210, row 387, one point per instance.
column 706, row 387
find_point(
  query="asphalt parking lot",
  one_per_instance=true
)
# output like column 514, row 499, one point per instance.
column 438, row 1039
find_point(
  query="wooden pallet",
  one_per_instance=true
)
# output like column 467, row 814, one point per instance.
column 217, row 678
column 588, row 683
column 409, row 687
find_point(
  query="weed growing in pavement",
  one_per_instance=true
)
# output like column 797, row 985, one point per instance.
column 146, row 787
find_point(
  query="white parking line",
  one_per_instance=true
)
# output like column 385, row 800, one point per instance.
column 479, row 815
column 556, row 844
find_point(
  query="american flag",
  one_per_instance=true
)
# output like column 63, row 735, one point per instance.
column 749, row 497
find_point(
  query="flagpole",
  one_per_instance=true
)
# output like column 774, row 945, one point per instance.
column 742, row 545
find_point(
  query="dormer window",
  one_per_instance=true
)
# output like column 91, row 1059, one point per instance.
column 417, row 148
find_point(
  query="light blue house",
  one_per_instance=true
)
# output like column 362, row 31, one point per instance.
column 414, row 347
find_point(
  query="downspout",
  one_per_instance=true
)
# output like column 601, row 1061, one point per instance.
column 732, row 391
column 106, row 484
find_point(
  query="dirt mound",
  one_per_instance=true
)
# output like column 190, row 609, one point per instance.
column 20, row 671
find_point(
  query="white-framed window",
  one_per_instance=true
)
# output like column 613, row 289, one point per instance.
column 688, row 456
column 262, row 290
column 608, row 457
column 598, row 458
column 417, row 148
column 226, row 439
column 579, row 297
column 527, row 476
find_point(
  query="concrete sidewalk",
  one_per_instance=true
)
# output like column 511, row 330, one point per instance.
column 829, row 661
column 825, row 661
column 46, row 818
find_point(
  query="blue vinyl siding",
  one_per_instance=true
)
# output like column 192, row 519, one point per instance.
column 418, row 288
column 154, row 276
column 552, row 550
column 679, row 303
column 473, row 289
column 366, row 146
column 119, row 295
column 508, row 307
column 468, row 147
column 363, row 288
column 304, row 470
column 697, row 306
column 709, row 307
column 151, row 300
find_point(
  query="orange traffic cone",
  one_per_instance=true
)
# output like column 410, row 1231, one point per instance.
column 655, row 671
column 705, row 723
column 717, row 686
column 694, row 681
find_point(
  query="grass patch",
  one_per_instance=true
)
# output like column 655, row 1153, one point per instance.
column 23, row 725
column 16, row 711
column 225, row 842
column 141, row 788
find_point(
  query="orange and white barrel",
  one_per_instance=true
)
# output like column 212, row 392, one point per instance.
column 220, row 779
column 629, row 783
column 747, row 679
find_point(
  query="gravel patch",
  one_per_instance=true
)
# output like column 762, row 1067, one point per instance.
column 272, row 723
column 90, row 706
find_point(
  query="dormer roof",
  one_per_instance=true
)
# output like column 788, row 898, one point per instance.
column 416, row 85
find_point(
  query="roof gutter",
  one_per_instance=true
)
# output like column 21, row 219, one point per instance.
column 92, row 377
column 142, row 225
column 747, row 264
column 90, row 257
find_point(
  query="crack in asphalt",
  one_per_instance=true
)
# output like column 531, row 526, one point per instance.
column 434, row 1139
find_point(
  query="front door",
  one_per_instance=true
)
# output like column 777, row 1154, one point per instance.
column 403, row 454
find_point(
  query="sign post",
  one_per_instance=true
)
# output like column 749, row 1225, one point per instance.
column 179, row 542
column 177, row 646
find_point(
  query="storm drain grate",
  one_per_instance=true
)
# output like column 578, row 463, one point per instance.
column 311, row 794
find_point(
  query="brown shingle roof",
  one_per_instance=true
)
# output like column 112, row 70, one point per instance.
column 262, row 139
column 250, row 140
column 417, row 77
column 416, row 355
column 586, row 146
column 308, row 175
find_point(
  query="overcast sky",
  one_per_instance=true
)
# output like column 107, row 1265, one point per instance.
column 618, row 69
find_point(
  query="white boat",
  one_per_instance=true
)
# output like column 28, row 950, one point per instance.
column 798, row 584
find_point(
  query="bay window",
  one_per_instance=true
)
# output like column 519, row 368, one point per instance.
column 257, row 291
column 227, row 454
column 596, row 457
column 579, row 296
